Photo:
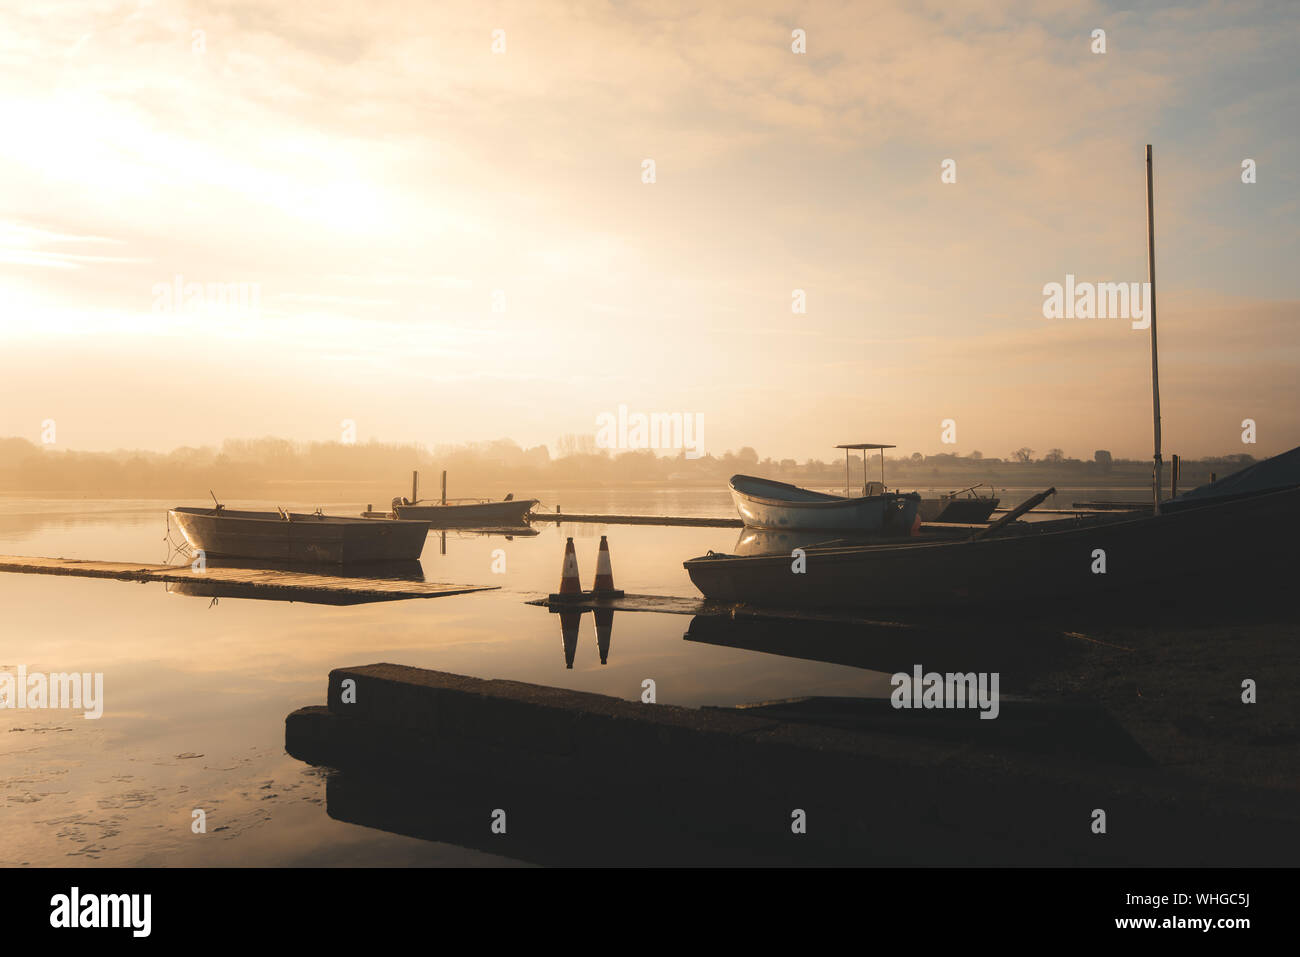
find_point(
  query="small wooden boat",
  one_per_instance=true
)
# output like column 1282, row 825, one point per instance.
column 296, row 537
column 764, row 503
column 1249, row 539
column 953, row 508
column 474, row 513
column 462, row 512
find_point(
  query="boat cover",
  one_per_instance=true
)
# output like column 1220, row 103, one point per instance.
column 1279, row 472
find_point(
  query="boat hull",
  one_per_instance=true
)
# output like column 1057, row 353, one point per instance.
column 1247, row 540
column 961, row 511
column 305, row 538
column 480, row 514
column 775, row 505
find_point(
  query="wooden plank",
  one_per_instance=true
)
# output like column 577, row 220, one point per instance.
column 587, row 519
column 250, row 582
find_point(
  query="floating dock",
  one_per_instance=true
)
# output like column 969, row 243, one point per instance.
column 707, row 521
column 689, row 521
column 1113, row 506
column 224, row 581
column 673, row 605
column 579, row 778
column 697, row 521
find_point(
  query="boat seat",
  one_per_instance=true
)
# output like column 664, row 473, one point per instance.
column 875, row 488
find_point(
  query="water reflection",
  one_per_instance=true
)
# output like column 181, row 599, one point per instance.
column 571, row 627
column 570, row 623
column 764, row 541
column 890, row 647
column 553, row 820
column 604, row 618
column 262, row 587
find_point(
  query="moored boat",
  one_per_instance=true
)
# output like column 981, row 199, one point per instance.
column 298, row 537
column 765, row 503
column 471, row 513
column 1248, row 538
column 953, row 508
column 462, row 512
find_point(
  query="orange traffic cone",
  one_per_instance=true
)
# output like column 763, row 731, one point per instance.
column 570, row 584
column 604, row 585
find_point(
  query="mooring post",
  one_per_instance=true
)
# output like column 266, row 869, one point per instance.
column 444, row 486
column 1155, row 367
column 415, row 487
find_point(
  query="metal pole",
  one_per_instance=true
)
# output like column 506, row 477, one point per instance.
column 415, row 487
column 444, row 486
column 1155, row 367
column 846, row 474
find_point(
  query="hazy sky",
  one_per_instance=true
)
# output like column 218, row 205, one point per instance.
column 451, row 243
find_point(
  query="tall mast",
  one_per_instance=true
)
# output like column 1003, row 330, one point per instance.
column 1155, row 368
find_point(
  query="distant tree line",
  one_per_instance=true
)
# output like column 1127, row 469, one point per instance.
column 252, row 467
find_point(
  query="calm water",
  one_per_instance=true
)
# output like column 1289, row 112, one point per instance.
column 196, row 691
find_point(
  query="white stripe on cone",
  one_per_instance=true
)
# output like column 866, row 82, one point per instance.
column 604, row 572
column 569, row 581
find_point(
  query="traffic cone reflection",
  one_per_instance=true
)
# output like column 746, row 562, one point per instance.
column 604, row 631
column 570, row 622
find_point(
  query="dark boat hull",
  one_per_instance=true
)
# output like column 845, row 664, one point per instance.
column 962, row 511
column 479, row 515
column 1244, row 539
column 310, row 539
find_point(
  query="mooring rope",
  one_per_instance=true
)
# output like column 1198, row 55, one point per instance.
column 173, row 547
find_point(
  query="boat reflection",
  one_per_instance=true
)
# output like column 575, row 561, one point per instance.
column 1016, row 653
column 765, row 541
column 342, row 590
column 509, row 533
column 553, row 821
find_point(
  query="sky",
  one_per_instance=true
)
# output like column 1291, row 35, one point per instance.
column 442, row 226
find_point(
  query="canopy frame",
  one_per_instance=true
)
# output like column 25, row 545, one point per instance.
column 864, row 447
